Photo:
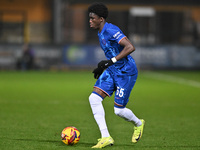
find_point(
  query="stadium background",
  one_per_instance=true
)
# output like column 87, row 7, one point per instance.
column 166, row 34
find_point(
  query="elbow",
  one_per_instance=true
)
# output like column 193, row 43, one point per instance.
column 131, row 48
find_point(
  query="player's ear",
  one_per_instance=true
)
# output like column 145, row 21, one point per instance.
column 101, row 19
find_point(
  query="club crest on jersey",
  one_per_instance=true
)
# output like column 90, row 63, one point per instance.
column 104, row 41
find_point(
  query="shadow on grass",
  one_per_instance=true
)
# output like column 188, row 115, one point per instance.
column 37, row 140
column 58, row 143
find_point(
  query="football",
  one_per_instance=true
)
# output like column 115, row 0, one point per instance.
column 70, row 135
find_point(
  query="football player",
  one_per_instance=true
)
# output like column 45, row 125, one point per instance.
column 116, row 74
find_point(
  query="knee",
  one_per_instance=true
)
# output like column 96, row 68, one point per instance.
column 94, row 99
column 91, row 99
column 118, row 111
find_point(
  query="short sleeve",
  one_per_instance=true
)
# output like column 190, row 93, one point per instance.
column 116, row 34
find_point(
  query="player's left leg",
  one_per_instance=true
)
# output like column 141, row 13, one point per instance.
column 124, row 86
column 138, row 131
column 128, row 115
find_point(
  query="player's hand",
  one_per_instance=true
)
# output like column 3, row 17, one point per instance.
column 97, row 72
column 105, row 64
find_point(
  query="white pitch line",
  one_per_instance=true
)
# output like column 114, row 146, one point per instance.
column 174, row 79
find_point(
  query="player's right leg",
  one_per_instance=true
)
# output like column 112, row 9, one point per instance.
column 103, row 142
column 99, row 115
column 102, row 89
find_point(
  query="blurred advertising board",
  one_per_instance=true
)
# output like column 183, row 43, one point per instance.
column 82, row 55
column 88, row 56
column 159, row 56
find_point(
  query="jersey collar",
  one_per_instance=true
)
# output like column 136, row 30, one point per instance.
column 104, row 27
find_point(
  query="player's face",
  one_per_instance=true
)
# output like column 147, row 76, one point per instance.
column 94, row 21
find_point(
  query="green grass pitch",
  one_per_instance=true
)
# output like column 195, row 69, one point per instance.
column 36, row 106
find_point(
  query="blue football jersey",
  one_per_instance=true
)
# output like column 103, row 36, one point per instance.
column 109, row 39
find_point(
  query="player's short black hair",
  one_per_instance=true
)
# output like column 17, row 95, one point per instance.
column 99, row 9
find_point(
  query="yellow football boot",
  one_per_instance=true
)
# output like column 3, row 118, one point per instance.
column 138, row 132
column 103, row 142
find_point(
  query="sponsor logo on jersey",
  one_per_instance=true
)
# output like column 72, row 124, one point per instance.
column 117, row 35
